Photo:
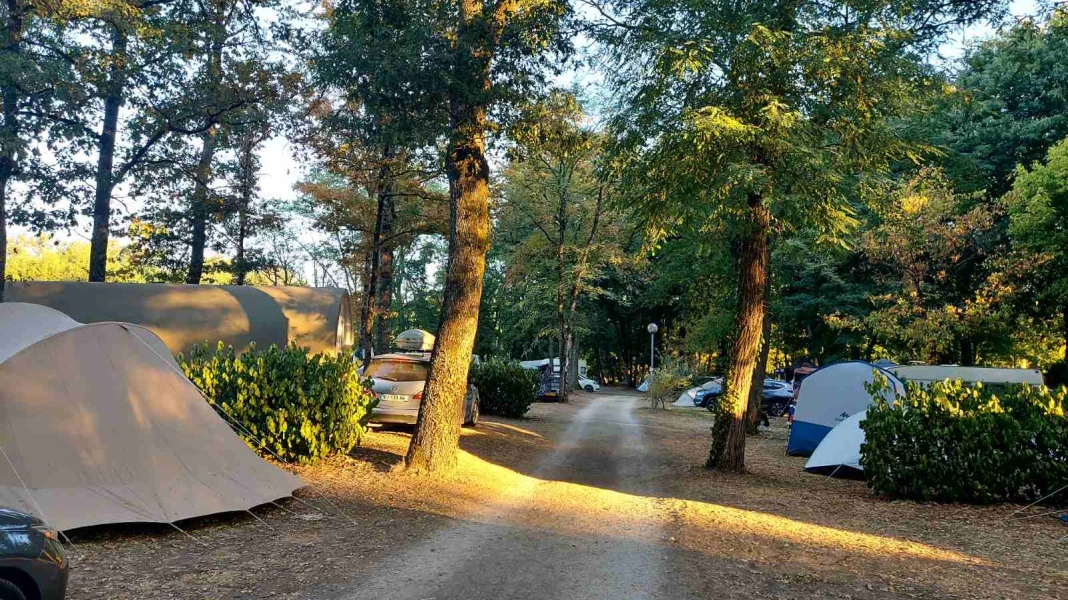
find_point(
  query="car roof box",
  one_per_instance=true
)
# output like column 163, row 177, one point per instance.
column 415, row 340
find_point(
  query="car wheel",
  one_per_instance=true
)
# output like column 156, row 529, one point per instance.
column 588, row 388
column 10, row 591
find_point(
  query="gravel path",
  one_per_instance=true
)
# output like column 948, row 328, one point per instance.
column 476, row 560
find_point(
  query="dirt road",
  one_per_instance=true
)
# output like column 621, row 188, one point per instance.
column 602, row 498
column 604, row 446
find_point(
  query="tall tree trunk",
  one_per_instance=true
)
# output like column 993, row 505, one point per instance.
column 9, row 133
column 437, row 433
column 201, row 206
column 387, row 212
column 367, row 309
column 561, row 321
column 105, row 159
column 628, row 357
column 248, row 184
column 371, row 303
column 240, row 263
column 756, row 391
column 576, row 288
column 728, row 433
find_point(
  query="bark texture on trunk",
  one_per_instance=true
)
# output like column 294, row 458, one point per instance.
column 371, row 302
column 437, row 434
column 248, row 184
column 10, row 131
column 377, row 287
column 756, row 392
column 561, row 325
column 367, row 306
column 728, row 433
column 383, row 318
column 105, row 159
column 200, row 209
column 387, row 212
column 436, row 439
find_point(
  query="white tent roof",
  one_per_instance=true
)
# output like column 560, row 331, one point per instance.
column 23, row 325
column 97, row 425
column 839, row 452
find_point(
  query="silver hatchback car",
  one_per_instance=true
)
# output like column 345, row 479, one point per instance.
column 398, row 381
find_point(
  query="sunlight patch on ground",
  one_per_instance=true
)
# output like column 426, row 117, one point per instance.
column 706, row 517
column 500, row 428
column 487, row 492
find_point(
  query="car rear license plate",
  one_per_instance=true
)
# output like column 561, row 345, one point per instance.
column 394, row 398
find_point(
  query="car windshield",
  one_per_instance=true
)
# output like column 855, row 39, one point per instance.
column 397, row 370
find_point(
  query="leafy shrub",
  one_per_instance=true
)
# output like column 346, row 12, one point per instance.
column 955, row 442
column 288, row 403
column 505, row 389
column 670, row 378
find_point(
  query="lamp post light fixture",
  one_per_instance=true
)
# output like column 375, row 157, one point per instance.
column 652, row 328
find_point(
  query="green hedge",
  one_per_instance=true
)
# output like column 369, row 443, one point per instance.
column 504, row 387
column 953, row 442
column 288, row 403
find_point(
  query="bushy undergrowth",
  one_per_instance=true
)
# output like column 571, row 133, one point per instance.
column 953, row 442
column 670, row 378
column 504, row 387
column 284, row 402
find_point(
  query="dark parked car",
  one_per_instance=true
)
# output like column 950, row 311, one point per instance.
column 708, row 393
column 777, row 397
column 32, row 563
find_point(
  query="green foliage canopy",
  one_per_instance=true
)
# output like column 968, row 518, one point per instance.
column 1010, row 105
column 1038, row 212
column 792, row 101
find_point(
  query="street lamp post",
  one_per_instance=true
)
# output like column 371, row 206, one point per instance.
column 652, row 349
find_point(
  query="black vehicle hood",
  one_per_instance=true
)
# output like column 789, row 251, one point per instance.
column 11, row 519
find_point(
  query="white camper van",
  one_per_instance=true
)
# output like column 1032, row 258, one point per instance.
column 928, row 374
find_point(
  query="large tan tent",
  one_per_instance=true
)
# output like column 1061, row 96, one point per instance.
column 97, row 425
column 186, row 315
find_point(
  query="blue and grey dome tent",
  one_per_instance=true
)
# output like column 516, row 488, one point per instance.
column 829, row 396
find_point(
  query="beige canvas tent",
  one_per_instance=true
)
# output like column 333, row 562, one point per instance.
column 186, row 315
column 98, row 426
